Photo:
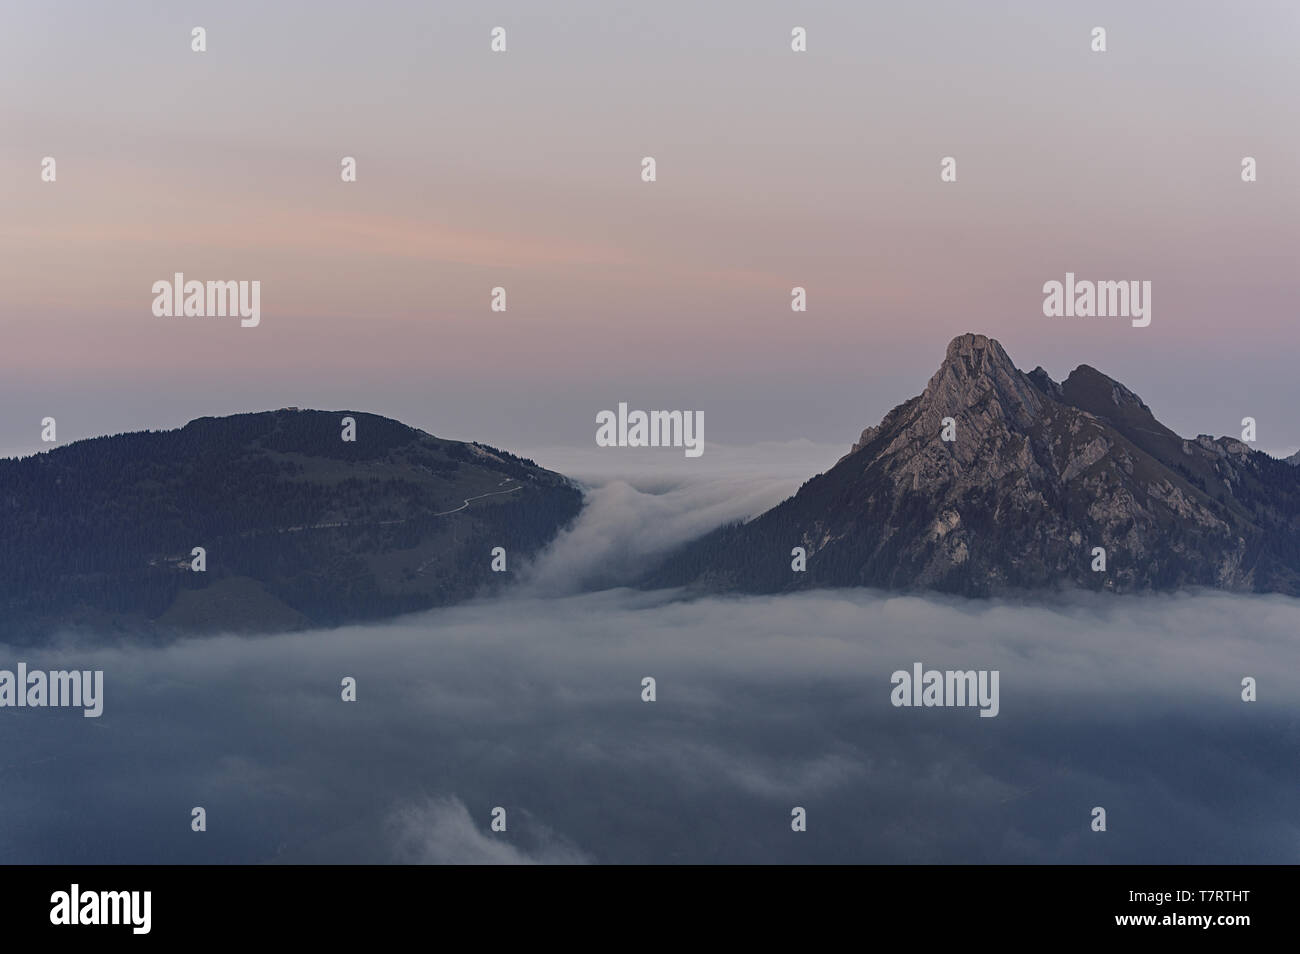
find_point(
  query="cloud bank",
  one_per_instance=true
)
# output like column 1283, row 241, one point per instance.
column 763, row 704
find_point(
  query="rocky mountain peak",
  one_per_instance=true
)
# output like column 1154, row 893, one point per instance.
column 978, row 383
column 1018, row 491
column 977, row 353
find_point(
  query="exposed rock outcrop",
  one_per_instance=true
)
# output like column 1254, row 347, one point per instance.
column 1038, row 475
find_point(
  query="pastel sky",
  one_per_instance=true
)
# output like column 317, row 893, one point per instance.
column 522, row 170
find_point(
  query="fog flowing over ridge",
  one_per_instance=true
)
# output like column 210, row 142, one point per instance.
column 640, row 506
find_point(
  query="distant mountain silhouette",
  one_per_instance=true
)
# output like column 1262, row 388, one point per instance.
column 1039, row 474
column 300, row 527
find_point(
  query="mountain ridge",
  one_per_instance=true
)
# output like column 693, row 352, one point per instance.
column 1039, row 473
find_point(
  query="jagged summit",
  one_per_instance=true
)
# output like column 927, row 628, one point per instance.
column 977, row 354
column 970, row 361
column 978, row 378
column 1038, row 474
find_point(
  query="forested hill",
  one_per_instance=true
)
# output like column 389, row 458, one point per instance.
column 299, row 527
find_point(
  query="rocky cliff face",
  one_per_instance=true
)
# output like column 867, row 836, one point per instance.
column 1037, row 474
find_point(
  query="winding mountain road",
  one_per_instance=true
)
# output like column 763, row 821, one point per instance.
column 495, row 493
column 384, row 523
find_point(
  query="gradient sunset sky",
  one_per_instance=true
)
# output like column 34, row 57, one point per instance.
column 522, row 169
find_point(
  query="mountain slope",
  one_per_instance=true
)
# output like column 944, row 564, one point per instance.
column 300, row 527
column 1039, row 474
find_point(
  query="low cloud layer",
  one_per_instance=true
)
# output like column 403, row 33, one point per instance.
column 764, row 703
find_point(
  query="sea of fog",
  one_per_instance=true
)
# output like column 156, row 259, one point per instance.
column 533, row 703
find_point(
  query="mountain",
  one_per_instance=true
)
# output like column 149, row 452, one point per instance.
column 1039, row 474
column 300, row 527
